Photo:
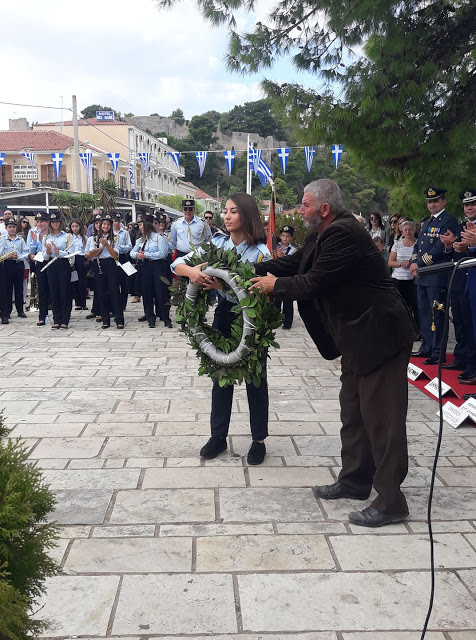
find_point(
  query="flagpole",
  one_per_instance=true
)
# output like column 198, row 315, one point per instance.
column 248, row 170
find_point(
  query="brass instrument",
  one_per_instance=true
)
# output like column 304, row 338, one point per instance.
column 34, row 298
column 7, row 255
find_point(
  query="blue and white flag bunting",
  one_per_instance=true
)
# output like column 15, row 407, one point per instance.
column 86, row 158
column 254, row 156
column 337, row 152
column 175, row 155
column 131, row 174
column 114, row 158
column 145, row 159
column 57, row 162
column 230, row 159
column 283, row 154
column 263, row 171
column 2, row 158
column 29, row 155
column 201, row 159
column 309, row 153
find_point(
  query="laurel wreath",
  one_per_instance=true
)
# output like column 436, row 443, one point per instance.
column 247, row 349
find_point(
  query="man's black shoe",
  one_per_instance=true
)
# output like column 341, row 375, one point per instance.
column 213, row 447
column 338, row 490
column 142, row 319
column 168, row 324
column 466, row 375
column 22, row 315
column 256, row 453
column 418, row 354
column 467, row 396
column 452, row 367
column 152, row 325
column 5, row 321
column 431, row 360
column 370, row 517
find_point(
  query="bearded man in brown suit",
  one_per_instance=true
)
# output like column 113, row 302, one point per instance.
column 351, row 309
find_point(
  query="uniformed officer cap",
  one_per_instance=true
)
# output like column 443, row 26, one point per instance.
column 145, row 217
column 41, row 216
column 163, row 217
column 97, row 217
column 468, row 195
column 434, row 193
column 188, row 203
column 106, row 216
column 54, row 216
column 287, row 229
column 10, row 221
column 117, row 215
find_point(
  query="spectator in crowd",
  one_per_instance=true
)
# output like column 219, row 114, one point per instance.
column 400, row 261
column 23, row 228
column 208, row 217
column 391, row 232
column 376, row 227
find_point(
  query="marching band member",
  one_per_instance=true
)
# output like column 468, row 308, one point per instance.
column 14, row 267
column 160, row 225
column 56, row 247
column 95, row 231
column 124, row 247
column 150, row 252
column 243, row 223
column 3, row 292
column 35, row 245
column 285, row 248
column 102, row 249
column 79, row 286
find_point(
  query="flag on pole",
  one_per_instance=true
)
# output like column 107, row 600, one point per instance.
column 145, row 159
column 254, row 156
column 86, row 158
column 336, row 152
column 57, row 162
column 230, row 159
column 309, row 153
column 201, row 159
column 114, row 158
column 272, row 242
column 175, row 155
column 2, row 158
column 283, row 154
column 132, row 161
column 264, row 172
column 29, row 155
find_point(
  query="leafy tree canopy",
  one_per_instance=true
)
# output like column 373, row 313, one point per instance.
column 395, row 80
column 177, row 115
column 255, row 117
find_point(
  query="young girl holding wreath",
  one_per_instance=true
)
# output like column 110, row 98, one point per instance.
column 243, row 222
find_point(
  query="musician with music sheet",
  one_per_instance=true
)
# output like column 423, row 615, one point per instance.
column 34, row 242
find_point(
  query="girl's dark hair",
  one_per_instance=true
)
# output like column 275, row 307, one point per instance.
column 148, row 228
column 20, row 228
column 376, row 215
column 250, row 218
column 50, row 228
column 110, row 235
column 82, row 230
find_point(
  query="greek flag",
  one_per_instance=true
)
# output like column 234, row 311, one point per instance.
column 86, row 158
column 264, row 172
column 57, row 162
column 145, row 159
column 201, row 159
column 230, row 159
column 254, row 156
column 309, row 153
column 29, row 156
column 132, row 162
column 114, row 158
column 175, row 155
column 131, row 174
column 283, row 154
column 336, row 152
column 2, row 158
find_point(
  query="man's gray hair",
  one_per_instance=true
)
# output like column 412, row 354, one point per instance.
column 326, row 190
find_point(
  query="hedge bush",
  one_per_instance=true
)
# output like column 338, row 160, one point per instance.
column 25, row 538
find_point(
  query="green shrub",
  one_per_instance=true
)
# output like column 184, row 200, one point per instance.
column 25, row 539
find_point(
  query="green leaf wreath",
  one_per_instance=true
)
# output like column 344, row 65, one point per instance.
column 265, row 315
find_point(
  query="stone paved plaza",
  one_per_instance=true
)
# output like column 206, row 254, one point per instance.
column 155, row 542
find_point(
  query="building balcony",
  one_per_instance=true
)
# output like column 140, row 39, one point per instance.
column 12, row 186
column 53, row 184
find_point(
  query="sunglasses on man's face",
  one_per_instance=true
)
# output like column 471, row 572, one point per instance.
column 208, row 218
column 188, row 209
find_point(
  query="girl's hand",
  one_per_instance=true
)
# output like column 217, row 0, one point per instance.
column 197, row 276
column 103, row 241
column 48, row 248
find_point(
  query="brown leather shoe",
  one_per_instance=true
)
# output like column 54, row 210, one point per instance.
column 468, row 381
column 338, row 490
column 370, row 517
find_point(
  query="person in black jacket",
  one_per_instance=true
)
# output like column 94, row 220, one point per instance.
column 351, row 308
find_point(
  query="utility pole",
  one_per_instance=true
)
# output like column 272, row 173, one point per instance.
column 76, row 161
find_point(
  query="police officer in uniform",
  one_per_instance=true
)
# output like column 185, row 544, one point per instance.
column 432, row 289
column 189, row 232
column 285, row 248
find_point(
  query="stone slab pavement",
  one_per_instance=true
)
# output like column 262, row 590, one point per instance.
column 156, row 542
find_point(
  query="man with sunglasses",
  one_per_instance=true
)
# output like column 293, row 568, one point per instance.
column 208, row 216
column 189, row 232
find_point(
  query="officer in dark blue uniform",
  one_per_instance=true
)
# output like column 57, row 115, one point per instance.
column 455, row 249
column 432, row 289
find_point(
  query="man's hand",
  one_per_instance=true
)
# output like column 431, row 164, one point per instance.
column 264, row 284
column 414, row 270
column 469, row 235
column 447, row 239
column 460, row 247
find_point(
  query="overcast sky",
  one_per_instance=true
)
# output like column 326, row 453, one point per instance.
column 121, row 53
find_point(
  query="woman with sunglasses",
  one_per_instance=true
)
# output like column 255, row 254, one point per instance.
column 376, row 227
column 102, row 249
column 243, row 223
